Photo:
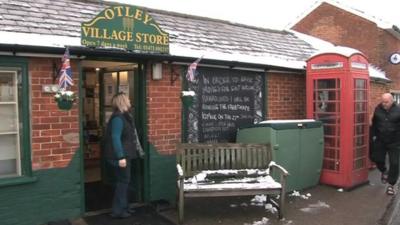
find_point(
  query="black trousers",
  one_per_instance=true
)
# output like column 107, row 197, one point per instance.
column 123, row 177
column 378, row 153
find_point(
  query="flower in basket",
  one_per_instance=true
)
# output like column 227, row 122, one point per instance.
column 188, row 93
column 65, row 96
column 65, row 99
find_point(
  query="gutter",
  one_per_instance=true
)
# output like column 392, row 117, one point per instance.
column 380, row 80
column 117, row 54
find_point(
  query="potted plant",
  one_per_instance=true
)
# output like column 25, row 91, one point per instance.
column 65, row 99
column 187, row 98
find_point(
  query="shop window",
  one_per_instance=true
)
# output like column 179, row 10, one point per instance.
column 10, row 156
column 15, row 163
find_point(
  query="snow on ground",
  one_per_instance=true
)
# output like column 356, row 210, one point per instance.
column 313, row 208
column 244, row 204
column 297, row 194
column 261, row 201
column 263, row 221
column 288, row 222
column 270, row 208
column 258, row 200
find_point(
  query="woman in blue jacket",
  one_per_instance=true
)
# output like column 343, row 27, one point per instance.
column 121, row 146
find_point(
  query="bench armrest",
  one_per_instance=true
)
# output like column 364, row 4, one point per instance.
column 283, row 170
column 283, row 174
column 180, row 171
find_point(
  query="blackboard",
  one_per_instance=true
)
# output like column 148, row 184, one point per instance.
column 225, row 100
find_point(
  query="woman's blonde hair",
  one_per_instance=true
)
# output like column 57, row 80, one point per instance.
column 121, row 102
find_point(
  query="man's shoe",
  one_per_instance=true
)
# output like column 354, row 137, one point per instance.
column 121, row 216
column 390, row 190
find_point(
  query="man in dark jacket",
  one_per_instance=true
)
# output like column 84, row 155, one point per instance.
column 385, row 133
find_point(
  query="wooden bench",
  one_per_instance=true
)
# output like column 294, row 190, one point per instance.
column 223, row 169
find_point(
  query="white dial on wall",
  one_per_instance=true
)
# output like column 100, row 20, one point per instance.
column 54, row 88
column 395, row 58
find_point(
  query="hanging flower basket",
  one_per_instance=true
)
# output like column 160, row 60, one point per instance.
column 65, row 104
column 65, row 99
column 187, row 98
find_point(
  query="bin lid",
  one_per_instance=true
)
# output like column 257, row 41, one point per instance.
column 287, row 124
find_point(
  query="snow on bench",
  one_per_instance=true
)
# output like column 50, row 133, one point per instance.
column 228, row 169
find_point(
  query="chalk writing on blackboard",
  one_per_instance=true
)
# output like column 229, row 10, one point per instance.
column 225, row 99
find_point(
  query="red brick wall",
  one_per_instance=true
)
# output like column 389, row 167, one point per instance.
column 389, row 45
column 164, row 110
column 376, row 91
column 286, row 96
column 48, row 123
column 343, row 28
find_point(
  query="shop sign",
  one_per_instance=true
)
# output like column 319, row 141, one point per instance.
column 328, row 65
column 358, row 65
column 126, row 27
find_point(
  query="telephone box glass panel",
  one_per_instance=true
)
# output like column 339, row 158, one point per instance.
column 326, row 105
column 360, row 124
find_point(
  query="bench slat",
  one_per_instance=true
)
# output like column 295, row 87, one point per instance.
column 198, row 157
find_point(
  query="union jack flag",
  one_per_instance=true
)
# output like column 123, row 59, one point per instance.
column 191, row 72
column 65, row 79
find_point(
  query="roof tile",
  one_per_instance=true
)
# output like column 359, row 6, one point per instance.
column 199, row 33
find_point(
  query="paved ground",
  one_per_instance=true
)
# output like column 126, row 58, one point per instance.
column 144, row 215
column 393, row 213
column 365, row 205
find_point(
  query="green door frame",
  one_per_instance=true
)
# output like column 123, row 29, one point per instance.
column 141, row 124
column 81, row 152
column 142, row 167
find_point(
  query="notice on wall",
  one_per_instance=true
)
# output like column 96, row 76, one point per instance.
column 225, row 100
column 109, row 85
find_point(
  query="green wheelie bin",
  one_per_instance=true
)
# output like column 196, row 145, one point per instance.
column 297, row 145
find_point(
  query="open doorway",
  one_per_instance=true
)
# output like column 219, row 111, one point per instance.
column 101, row 81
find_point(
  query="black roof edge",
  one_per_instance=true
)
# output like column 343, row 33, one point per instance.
column 396, row 28
column 116, row 54
column 380, row 80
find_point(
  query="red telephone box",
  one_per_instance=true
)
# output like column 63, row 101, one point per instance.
column 337, row 94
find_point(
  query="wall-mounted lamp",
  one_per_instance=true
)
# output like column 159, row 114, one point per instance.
column 157, row 71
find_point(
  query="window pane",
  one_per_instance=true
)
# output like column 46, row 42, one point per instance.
column 360, row 84
column 9, row 123
column 360, row 118
column 326, row 84
column 396, row 97
column 360, row 129
column 7, row 87
column 360, row 95
column 361, row 107
column 8, row 155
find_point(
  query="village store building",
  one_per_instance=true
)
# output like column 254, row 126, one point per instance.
column 50, row 164
column 345, row 26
